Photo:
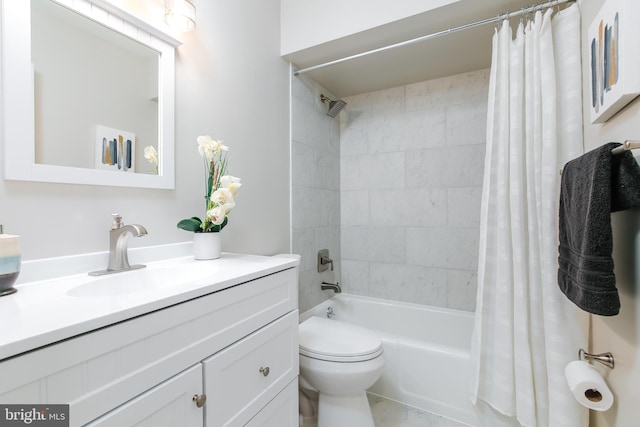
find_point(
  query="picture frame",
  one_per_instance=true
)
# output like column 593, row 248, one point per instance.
column 613, row 46
column 115, row 149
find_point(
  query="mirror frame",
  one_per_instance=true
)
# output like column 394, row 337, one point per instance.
column 18, row 90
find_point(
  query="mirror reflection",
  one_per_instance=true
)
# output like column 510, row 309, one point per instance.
column 96, row 93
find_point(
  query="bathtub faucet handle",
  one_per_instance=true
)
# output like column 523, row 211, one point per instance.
column 326, row 260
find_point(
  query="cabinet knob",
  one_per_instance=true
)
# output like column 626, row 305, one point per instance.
column 264, row 371
column 199, row 399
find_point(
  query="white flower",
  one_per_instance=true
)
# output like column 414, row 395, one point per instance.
column 207, row 147
column 230, row 182
column 226, row 180
column 216, row 215
column 227, row 207
column 219, row 146
column 223, row 196
column 151, row 154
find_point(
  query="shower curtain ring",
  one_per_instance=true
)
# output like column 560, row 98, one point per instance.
column 531, row 10
column 522, row 15
column 502, row 16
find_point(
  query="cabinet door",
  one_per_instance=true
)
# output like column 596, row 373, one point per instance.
column 240, row 380
column 170, row 404
column 282, row 411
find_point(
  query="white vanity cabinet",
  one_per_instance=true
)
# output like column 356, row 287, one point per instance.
column 238, row 346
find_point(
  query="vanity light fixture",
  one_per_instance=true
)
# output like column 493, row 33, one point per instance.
column 180, row 14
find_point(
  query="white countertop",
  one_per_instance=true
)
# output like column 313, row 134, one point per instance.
column 47, row 311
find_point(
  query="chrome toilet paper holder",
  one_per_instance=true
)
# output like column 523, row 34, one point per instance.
column 605, row 358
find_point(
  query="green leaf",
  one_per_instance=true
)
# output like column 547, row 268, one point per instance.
column 190, row 224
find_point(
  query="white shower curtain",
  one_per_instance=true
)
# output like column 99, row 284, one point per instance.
column 525, row 330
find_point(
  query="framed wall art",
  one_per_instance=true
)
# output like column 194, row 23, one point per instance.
column 115, row 149
column 614, row 58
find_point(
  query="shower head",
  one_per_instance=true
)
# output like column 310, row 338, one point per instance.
column 334, row 106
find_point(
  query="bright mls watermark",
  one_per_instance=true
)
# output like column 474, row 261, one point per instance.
column 34, row 415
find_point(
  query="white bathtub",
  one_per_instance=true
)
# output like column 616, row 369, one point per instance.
column 426, row 351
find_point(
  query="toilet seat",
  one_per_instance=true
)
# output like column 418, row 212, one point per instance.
column 336, row 341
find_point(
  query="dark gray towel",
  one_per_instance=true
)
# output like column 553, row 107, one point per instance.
column 625, row 182
column 593, row 185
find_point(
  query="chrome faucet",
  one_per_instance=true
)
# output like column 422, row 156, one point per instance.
column 335, row 287
column 118, row 254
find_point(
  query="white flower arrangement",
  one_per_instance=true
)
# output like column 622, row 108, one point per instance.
column 151, row 155
column 221, row 189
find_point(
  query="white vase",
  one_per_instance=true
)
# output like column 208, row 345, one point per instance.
column 207, row 245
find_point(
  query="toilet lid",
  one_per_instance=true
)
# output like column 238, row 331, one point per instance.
column 333, row 340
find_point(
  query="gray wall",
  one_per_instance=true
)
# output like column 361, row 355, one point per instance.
column 316, row 188
column 230, row 83
column 411, row 167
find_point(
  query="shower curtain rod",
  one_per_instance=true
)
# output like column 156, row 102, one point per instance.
column 507, row 15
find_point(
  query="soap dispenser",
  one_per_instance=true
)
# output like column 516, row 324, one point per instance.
column 9, row 262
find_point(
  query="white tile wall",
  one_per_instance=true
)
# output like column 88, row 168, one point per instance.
column 445, row 166
column 411, row 171
column 411, row 207
column 315, row 154
column 390, row 280
column 368, row 171
column 463, row 206
column 444, row 247
column 392, row 188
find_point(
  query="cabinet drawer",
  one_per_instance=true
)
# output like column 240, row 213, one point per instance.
column 242, row 368
column 169, row 404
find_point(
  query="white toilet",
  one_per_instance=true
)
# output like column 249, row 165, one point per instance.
column 340, row 361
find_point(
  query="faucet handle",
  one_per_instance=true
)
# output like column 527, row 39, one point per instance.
column 324, row 260
column 117, row 221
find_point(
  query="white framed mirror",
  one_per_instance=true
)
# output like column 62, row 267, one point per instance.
column 87, row 86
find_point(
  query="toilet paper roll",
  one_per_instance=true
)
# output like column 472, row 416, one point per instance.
column 588, row 386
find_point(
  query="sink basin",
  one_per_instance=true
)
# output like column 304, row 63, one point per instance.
column 136, row 281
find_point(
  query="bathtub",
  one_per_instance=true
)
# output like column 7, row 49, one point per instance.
column 426, row 351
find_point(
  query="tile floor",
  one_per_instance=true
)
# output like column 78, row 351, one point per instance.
column 387, row 413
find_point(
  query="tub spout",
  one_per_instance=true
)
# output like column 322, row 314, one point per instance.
column 331, row 286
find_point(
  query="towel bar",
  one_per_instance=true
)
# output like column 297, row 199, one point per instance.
column 626, row 146
column 605, row 358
